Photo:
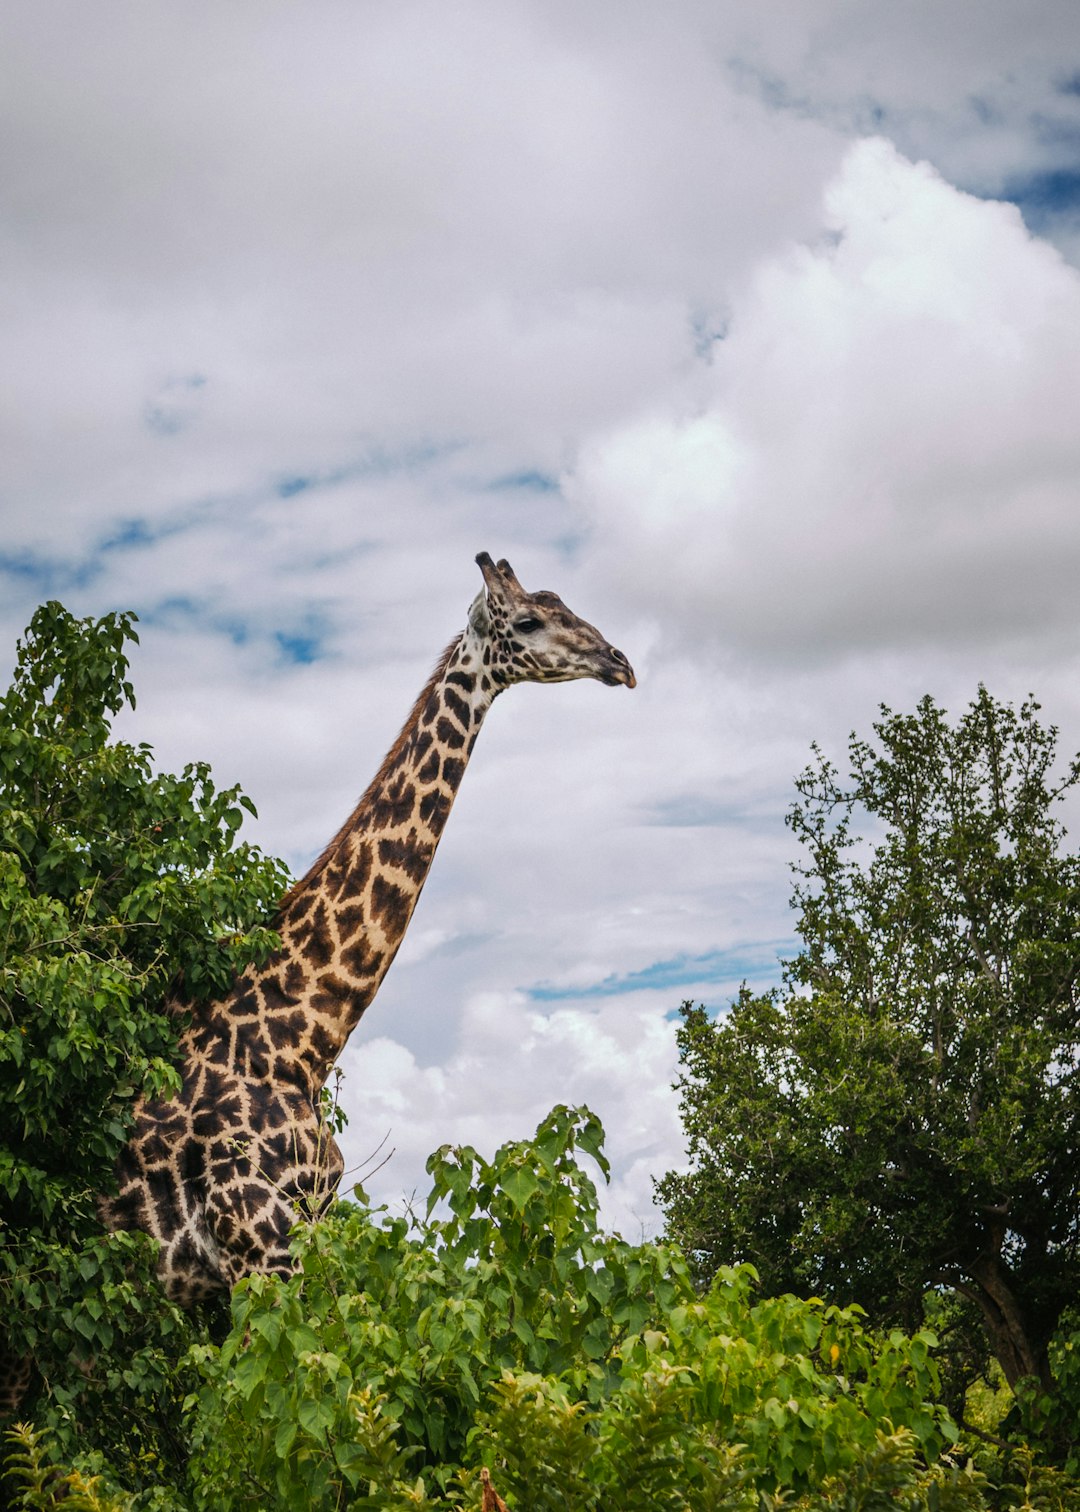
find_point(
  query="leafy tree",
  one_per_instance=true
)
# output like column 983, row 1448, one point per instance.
column 120, row 887
column 906, row 1116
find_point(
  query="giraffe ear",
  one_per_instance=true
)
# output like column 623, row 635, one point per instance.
column 478, row 614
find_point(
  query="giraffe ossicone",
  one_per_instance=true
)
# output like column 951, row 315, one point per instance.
column 219, row 1173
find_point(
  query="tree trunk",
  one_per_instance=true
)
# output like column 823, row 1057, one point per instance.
column 1018, row 1353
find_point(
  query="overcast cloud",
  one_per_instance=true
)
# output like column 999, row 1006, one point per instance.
column 753, row 332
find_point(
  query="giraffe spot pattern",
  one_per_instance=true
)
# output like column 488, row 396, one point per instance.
column 435, row 810
column 349, row 920
column 333, row 990
column 394, row 809
column 410, row 855
column 450, row 734
column 363, row 962
column 390, row 906
column 275, row 998
column 295, row 980
column 304, row 903
column 458, row 708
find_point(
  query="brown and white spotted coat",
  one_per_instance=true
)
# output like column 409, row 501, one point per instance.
column 219, row 1173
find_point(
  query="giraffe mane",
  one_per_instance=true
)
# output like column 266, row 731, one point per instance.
column 315, row 870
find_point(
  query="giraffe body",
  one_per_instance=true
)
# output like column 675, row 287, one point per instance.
column 219, row 1173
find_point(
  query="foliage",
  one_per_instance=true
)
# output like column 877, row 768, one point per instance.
column 907, row 1115
column 119, row 886
column 513, row 1276
column 35, row 1484
column 890, row 1476
column 511, row 1331
column 583, row 1372
column 1046, row 1421
column 641, row 1448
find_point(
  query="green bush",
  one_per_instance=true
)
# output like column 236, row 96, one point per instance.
column 504, row 1331
column 509, row 1309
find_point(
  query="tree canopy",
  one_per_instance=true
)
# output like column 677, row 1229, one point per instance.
column 905, row 1116
column 121, row 887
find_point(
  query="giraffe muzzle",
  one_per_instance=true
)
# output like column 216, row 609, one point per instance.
column 619, row 670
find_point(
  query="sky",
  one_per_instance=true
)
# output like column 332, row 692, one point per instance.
column 752, row 331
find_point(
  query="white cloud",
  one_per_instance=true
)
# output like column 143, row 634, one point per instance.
column 888, row 452
column 486, row 224
column 497, row 1084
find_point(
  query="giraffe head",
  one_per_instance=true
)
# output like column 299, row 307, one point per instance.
column 534, row 637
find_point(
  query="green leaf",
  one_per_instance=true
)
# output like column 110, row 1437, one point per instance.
column 519, row 1185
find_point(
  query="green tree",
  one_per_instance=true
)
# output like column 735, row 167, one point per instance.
column 120, row 887
column 905, row 1117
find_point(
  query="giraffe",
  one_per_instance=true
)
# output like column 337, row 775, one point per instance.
column 219, row 1173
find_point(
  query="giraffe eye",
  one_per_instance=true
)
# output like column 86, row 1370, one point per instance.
column 528, row 625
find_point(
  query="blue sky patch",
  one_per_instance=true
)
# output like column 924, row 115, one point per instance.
column 288, row 488
column 757, row 964
column 530, row 480
column 26, row 567
column 238, row 630
column 301, row 646
column 46, row 576
column 298, row 644
column 302, row 643
column 130, row 533
column 167, row 611
column 377, row 463
column 1058, row 131
column 1045, row 197
column 173, row 408
column 985, row 111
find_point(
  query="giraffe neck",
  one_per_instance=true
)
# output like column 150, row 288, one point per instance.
column 341, row 925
